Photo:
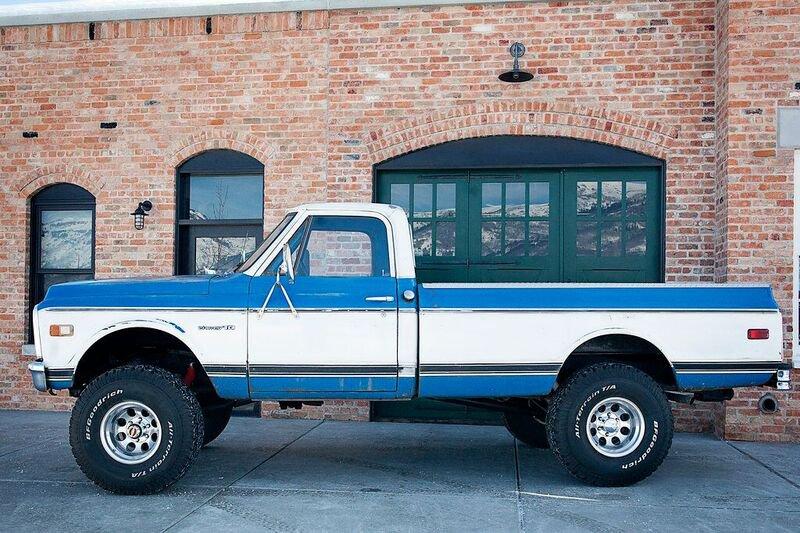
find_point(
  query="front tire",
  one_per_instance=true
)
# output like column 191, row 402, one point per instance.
column 610, row 425
column 136, row 429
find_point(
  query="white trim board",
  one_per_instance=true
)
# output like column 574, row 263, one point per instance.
column 28, row 13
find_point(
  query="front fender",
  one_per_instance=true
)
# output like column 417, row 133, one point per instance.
column 165, row 326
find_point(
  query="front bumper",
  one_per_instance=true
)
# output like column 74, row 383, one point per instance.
column 38, row 375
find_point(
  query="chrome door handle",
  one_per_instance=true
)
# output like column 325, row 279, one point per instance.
column 379, row 299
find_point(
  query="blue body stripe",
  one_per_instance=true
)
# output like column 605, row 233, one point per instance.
column 462, row 386
column 663, row 297
column 722, row 380
column 342, row 383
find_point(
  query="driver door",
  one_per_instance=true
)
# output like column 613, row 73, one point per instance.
column 343, row 337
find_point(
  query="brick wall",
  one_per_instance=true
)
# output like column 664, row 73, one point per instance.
column 319, row 97
column 758, row 64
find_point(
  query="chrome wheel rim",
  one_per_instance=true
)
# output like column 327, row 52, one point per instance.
column 130, row 432
column 615, row 427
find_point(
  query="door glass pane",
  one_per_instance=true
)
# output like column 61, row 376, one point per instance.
column 423, row 200
column 636, row 238
column 515, row 199
column 491, row 199
column 636, row 196
column 539, row 239
column 66, row 239
column 215, row 255
column 587, row 197
column 339, row 253
column 610, row 239
column 345, row 246
column 490, row 238
column 539, row 193
column 445, row 200
column 226, row 197
column 423, row 238
column 445, row 239
column 515, row 237
column 612, row 198
column 398, row 196
column 586, row 239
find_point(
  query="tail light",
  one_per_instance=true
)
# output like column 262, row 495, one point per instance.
column 757, row 334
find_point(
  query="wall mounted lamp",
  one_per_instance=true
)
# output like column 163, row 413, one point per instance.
column 515, row 75
column 140, row 213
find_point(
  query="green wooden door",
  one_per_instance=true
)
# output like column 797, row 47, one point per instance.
column 612, row 230
column 514, row 226
column 526, row 225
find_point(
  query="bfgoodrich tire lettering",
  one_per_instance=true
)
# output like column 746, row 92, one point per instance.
column 569, row 424
column 179, row 441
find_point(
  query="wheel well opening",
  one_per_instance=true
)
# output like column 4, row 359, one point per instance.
column 628, row 349
column 142, row 346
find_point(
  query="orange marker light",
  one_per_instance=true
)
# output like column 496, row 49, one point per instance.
column 61, row 330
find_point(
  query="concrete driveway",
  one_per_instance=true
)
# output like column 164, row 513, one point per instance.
column 350, row 476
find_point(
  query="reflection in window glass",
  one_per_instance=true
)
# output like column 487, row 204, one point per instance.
column 586, row 239
column 491, row 199
column 399, row 196
column 515, row 238
column 515, row 199
column 226, row 197
column 587, row 197
column 636, row 238
column 539, row 238
column 490, row 238
column 423, row 200
column 338, row 253
column 446, row 200
column 215, row 255
column 66, row 240
column 611, row 239
column 636, row 196
column 445, row 239
column 539, row 193
column 612, row 198
column 53, row 279
column 423, row 238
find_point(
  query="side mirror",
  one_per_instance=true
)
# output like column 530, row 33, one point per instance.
column 287, row 267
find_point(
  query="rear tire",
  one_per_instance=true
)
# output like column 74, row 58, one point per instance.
column 526, row 429
column 216, row 419
column 136, row 429
column 610, row 425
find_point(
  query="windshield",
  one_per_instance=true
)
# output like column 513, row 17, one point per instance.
column 267, row 243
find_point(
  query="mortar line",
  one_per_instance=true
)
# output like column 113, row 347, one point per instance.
column 229, row 485
column 746, row 454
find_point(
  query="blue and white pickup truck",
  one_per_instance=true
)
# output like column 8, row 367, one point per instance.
column 328, row 308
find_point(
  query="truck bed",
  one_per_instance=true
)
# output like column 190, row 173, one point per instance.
column 512, row 339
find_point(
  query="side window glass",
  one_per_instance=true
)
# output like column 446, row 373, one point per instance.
column 342, row 246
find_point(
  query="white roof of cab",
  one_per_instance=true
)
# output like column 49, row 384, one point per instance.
column 384, row 209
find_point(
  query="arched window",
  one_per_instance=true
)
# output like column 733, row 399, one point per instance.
column 220, row 211
column 62, row 237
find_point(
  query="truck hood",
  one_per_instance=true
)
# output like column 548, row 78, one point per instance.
column 99, row 292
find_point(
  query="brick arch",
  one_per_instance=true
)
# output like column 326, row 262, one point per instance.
column 52, row 174
column 624, row 130
column 216, row 140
